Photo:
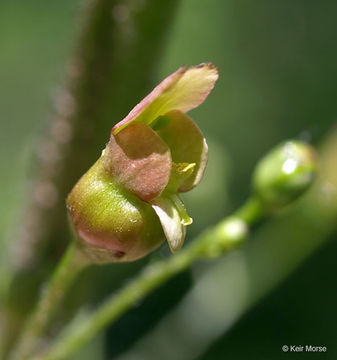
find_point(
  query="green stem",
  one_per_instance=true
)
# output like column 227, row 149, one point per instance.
column 215, row 241
column 251, row 211
column 69, row 267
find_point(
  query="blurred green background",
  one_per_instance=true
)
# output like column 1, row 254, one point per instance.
column 278, row 80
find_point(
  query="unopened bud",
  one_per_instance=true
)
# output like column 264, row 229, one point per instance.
column 284, row 174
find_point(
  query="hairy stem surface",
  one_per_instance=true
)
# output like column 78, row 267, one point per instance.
column 66, row 272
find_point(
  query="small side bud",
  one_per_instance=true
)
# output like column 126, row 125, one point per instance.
column 229, row 234
column 284, row 174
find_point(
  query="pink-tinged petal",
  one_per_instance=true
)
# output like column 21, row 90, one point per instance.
column 183, row 90
column 139, row 160
column 187, row 145
column 161, row 88
column 171, row 222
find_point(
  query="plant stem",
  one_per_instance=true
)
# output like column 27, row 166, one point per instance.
column 72, row 262
column 251, row 211
column 218, row 237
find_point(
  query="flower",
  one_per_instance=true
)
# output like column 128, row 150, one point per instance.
column 125, row 204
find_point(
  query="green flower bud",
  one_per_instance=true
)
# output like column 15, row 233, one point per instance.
column 128, row 202
column 284, row 174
